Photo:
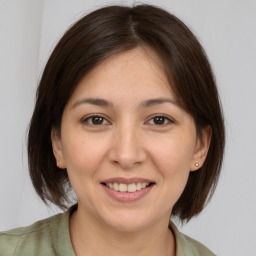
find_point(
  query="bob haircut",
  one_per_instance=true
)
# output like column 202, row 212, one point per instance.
column 99, row 35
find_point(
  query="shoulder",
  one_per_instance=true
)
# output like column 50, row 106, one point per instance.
column 25, row 240
column 186, row 245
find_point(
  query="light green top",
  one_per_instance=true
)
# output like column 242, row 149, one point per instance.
column 51, row 237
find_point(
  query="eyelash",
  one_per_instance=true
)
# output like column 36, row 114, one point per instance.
column 166, row 119
column 86, row 120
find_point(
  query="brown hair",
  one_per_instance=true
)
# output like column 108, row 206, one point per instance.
column 88, row 42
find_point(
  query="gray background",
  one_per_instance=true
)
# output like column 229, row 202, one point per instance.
column 29, row 29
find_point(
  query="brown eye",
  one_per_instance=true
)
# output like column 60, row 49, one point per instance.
column 95, row 120
column 160, row 120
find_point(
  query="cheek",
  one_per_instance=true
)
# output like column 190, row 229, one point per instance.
column 83, row 154
column 83, row 157
column 174, row 155
column 172, row 159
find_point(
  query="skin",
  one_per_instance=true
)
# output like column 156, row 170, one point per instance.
column 127, row 141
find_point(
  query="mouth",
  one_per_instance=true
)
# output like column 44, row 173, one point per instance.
column 127, row 190
column 127, row 187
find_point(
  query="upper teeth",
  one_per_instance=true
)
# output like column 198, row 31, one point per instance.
column 127, row 187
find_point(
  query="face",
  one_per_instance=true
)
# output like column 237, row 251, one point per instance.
column 127, row 145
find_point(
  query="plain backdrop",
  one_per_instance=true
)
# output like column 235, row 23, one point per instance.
column 29, row 29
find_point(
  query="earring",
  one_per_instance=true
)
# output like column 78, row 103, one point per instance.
column 59, row 163
column 196, row 164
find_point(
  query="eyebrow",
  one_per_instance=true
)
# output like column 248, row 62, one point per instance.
column 104, row 103
column 93, row 101
column 156, row 101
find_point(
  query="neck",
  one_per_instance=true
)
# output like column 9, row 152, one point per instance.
column 95, row 238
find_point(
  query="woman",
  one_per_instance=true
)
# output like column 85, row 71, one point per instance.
column 128, row 115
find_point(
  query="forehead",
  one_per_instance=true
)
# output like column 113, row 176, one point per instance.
column 128, row 74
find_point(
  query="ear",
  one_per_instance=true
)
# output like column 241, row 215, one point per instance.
column 57, row 148
column 201, row 149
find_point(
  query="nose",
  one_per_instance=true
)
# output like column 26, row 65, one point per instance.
column 126, row 148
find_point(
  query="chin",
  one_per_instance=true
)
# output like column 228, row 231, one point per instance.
column 124, row 222
column 127, row 226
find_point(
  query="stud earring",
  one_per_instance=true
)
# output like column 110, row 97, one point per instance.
column 196, row 164
column 59, row 163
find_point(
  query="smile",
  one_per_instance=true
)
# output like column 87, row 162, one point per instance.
column 128, row 187
column 127, row 190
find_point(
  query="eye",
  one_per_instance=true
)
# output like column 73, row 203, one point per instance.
column 160, row 121
column 95, row 120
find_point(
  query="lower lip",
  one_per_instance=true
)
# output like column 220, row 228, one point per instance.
column 127, row 196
